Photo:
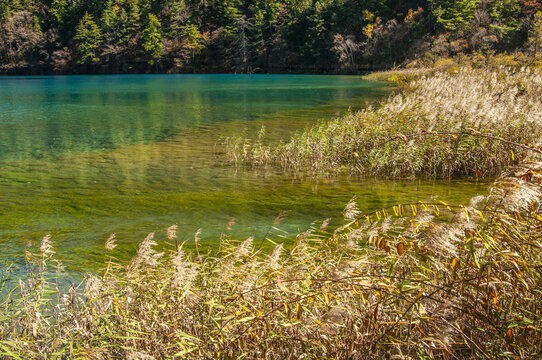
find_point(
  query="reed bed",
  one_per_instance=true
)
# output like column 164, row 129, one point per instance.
column 413, row 281
column 455, row 120
column 427, row 280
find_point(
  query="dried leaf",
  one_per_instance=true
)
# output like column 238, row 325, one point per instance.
column 282, row 285
column 401, row 248
column 456, row 264
column 287, row 310
column 421, row 310
column 298, row 310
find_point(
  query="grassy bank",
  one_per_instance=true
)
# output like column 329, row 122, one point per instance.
column 427, row 280
column 422, row 280
column 453, row 120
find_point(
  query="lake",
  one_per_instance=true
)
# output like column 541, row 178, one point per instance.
column 82, row 157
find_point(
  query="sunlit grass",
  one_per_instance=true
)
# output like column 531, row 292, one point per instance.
column 424, row 280
column 420, row 280
column 456, row 121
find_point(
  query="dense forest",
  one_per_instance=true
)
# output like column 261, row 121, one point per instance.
column 246, row 36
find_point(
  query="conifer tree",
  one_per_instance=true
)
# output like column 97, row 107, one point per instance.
column 454, row 15
column 57, row 12
column 4, row 10
column 194, row 39
column 152, row 39
column 535, row 34
column 504, row 15
column 88, row 38
column 120, row 21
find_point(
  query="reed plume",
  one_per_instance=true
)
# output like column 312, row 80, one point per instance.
column 425, row 280
column 110, row 243
column 146, row 255
column 46, row 247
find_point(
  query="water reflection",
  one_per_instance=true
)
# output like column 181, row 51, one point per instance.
column 44, row 116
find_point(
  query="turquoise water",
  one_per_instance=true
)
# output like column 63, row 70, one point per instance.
column 85, row 156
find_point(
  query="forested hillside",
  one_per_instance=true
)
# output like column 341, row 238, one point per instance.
column 117, row 36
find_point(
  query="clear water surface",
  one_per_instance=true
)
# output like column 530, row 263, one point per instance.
column 82, row 157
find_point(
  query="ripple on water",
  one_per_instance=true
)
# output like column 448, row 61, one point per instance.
column 85, row 156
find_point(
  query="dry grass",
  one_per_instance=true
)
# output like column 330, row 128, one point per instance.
column 443, row 124
column 411, row 281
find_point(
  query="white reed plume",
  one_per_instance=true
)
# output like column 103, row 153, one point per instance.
column 229, row 225
column 46, row 247
column 172, row 232
column 515, row 194
column 186, row 272
column 138, row 355
column 243, row 250
column 351, row 211
column 442, row 239
column 146, row 254
column 196, row 235
column 281, row 217
column 325, row 224
column 305, row 234
column 274, row 259
column 93, row 286
column 110, row 244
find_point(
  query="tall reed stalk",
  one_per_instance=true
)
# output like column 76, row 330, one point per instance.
column 442, row 124
column 411, row 281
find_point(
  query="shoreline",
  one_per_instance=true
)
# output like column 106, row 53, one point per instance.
column 426, row 279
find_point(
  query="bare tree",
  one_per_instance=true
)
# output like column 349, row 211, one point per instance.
column 20, row 35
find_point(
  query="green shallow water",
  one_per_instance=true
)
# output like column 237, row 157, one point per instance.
column 85, row 156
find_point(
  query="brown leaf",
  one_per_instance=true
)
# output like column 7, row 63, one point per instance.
column 401, row 248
